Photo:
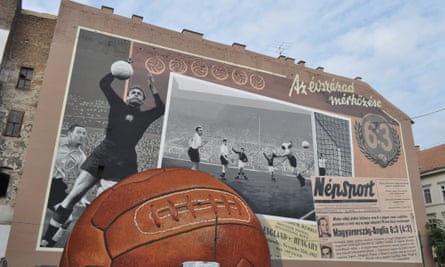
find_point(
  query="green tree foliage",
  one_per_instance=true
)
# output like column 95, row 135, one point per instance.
column 436, row 235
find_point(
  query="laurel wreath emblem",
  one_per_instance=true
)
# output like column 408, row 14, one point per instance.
column 376, row 154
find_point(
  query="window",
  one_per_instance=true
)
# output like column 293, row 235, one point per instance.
column 427, row 195
column 14, row 123
column 4, row 182
column 25, row 78
column 432, row 220
column 442, row 188
column 431, row 217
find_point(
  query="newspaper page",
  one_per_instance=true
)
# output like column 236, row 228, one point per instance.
column 295, row 239
column 365, row 219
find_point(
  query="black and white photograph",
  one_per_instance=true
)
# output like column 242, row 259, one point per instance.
column 111, row 129
column 334, row 155
column 261, row 147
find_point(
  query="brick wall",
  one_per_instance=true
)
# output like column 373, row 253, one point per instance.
column 7, row 11
column 28, row 46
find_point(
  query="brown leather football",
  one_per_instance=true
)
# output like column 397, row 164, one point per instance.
column 164, row 217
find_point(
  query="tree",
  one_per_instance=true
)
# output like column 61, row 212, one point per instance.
column 436, row 236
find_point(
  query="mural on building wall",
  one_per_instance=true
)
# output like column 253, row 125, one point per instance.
column 285, row 145
column 118, row 124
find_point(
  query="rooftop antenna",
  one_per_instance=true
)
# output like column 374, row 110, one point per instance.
column 281, row 47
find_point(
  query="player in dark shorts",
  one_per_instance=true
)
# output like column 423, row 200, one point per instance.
column 321, row 165
column 115, row 157
column 242, row 161
column 270, row 166
column 287, row 153
column 69, row 158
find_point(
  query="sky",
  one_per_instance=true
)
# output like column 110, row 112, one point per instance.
column 397, row 46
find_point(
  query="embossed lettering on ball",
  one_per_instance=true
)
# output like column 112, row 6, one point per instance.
column 165, row 217
column 121, row 69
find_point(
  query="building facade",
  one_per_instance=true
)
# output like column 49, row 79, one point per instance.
column 432, row 174
column 359, row 162
column 25, row 43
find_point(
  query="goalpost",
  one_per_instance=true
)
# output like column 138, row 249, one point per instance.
column 333, row 144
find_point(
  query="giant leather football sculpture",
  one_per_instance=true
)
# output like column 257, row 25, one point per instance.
column 164, row 217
